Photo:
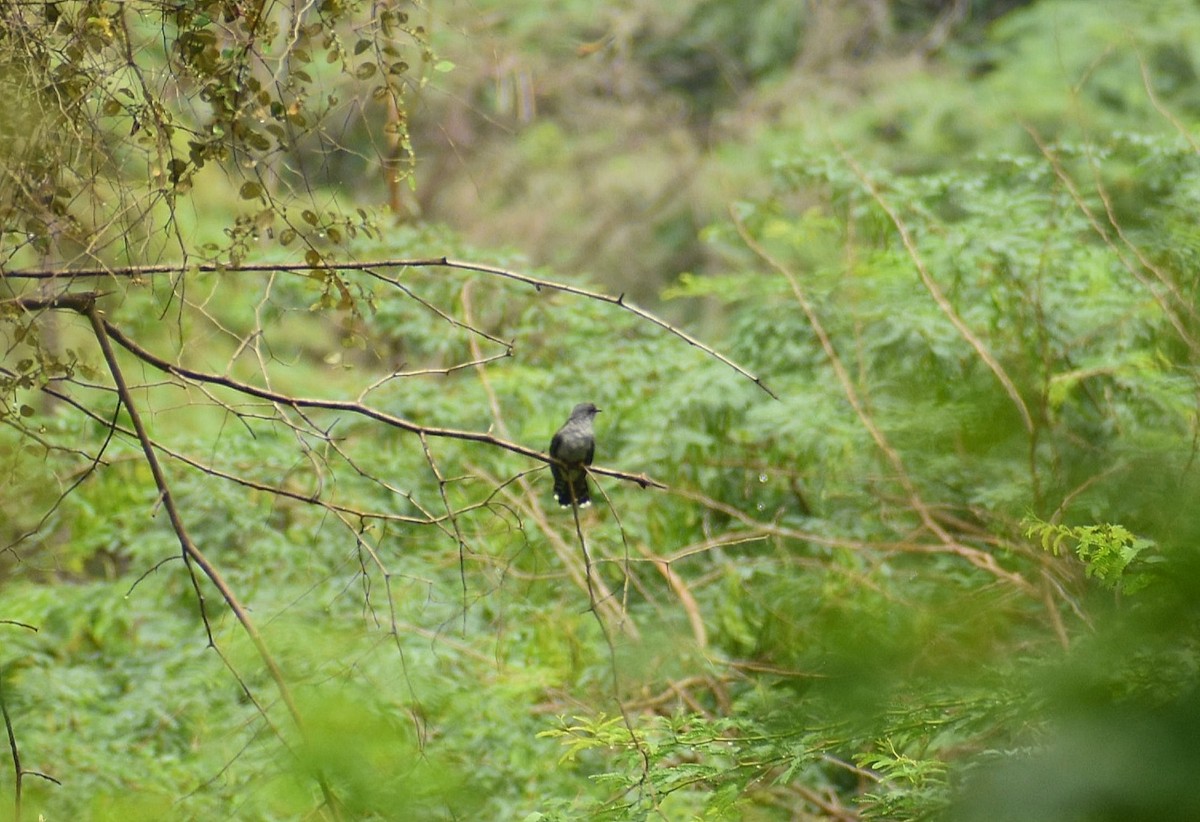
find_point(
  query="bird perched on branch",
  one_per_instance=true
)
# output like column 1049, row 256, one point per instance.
column 572, row 449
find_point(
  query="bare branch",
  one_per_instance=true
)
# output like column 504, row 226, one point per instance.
column 350, row 407
column 191, row 553
column 368, row 267
column 19, row 772
column 19, row 624
column 84, row 303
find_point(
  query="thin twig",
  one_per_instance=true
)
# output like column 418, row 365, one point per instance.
column 18, row 771
column 367, row 266
column 459, row 539
column 528, row 505
column 254, row 485
column 644, row 782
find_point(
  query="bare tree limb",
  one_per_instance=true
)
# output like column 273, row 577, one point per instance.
column 191, row 553
column 351, row 407
column 83, row 302
column 133, row 272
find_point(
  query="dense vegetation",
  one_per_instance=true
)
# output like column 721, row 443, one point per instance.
column 906, row 532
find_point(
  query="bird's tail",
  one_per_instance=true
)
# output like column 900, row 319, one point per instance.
column 568, row 489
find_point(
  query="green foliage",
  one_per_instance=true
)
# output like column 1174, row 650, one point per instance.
column 1106, row 550
column 831, row 648
column 853, row 601
column 913, row 788
column 135, row 104
column 709, row 49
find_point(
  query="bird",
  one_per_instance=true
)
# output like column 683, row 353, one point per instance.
column 572, row 448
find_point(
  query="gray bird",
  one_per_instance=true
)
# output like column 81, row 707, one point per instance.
column 573, row 447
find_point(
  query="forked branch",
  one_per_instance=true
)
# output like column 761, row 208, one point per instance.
column 191, row 553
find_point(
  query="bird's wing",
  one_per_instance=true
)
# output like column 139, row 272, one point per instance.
column 555, row 444
column 591, row 452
